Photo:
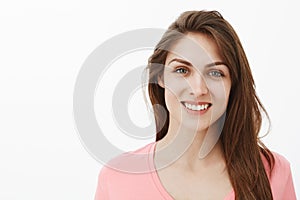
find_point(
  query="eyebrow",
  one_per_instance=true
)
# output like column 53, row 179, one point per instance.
column 190, row 64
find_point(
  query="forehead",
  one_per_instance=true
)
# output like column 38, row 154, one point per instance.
column 197, row 48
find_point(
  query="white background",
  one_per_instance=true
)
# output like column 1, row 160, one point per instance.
column 43, row 45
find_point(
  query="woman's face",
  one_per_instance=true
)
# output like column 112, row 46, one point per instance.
column 197, row 83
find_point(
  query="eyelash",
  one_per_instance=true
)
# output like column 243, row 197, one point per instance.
column 181, row 68
column 220, row 74
column 214, row 73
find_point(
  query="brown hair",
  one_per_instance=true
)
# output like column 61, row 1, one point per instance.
column 243, row 149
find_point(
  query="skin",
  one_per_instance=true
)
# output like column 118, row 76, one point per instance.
column 189, row 76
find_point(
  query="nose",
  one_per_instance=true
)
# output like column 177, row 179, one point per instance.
column 198, row 85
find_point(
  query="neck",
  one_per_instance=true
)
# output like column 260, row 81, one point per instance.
column 189, row 148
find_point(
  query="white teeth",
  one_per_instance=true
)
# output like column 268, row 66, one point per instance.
column 196, row 107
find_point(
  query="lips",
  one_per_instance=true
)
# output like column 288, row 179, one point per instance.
column 196, row 106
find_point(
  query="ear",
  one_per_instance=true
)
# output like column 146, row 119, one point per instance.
column 161, row 82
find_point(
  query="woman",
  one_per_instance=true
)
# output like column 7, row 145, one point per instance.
column 207, row 116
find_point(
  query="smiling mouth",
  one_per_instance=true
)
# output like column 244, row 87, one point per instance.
column 197, row 107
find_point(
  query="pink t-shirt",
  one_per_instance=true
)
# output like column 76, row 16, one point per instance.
column 124, row 185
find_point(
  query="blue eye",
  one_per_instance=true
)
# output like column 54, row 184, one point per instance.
column 181, row 70
column 216, row 73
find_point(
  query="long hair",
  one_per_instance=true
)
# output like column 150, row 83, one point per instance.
column 243, row 149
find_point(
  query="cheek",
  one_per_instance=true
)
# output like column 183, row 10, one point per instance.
column 172, row 95
column 172, row 101
column 175, row 86
column 219, row 92
column 174, row 91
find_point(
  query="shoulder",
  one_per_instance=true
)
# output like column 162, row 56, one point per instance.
column 132, row 162
column 126, row 176
column 281, row 180
column 281, row 165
